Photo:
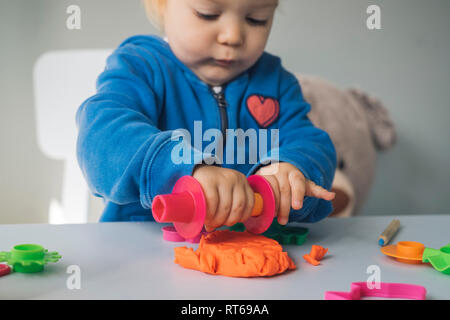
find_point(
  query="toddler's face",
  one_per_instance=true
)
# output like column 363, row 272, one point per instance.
column 218, row 39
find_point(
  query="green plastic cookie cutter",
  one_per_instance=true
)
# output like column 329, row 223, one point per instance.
column 238, row 227
column 28, row 258
column 283, row 234
column 439, row 259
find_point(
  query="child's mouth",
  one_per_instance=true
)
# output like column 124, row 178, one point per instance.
column 224, row 63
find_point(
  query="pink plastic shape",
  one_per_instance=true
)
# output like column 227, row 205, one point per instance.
column 262, row 222
column 359, row 290
column 170, row 234
column 4, row 269
column 185, row 207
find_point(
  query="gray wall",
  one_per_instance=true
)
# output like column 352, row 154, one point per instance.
column 406, row 65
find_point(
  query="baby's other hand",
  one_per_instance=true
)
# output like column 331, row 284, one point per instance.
column 290, row 187
column 229, row 197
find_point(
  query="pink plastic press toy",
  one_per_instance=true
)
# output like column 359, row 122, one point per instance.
column 185, row 207
column 170, row 234
column 359, row 290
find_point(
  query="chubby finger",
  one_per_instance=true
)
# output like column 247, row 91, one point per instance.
column 209, row 228
column 316, row 191
column 212, row 202
column 298, row 189
column 224, row 206
column 285, row 200
column 239, row 203
column 250, row 203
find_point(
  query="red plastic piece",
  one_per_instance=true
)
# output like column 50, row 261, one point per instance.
column 4, row 269
column 185, row 207
column 359, row 290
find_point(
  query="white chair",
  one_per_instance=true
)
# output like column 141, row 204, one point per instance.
column 62, row 81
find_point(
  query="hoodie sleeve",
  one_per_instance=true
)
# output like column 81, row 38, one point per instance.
column 123, row 155
column 305, row 146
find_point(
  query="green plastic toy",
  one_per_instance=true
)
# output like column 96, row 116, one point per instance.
column 238, row 227
column 283, row 234
column 439, row 259
column 28, row 258
column 290, row 235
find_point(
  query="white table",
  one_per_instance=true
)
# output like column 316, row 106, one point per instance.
column 132, row 261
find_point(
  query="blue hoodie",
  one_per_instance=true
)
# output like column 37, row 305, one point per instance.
column 136, row 134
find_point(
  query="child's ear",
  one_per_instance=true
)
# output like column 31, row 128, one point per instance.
column 381, row 124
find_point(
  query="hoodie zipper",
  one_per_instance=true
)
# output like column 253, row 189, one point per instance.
column 219, row 96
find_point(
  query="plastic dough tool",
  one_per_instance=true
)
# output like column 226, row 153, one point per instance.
column 185, row 207
column 287, row 234
column 282, row 234
column 415, row 253
column 439, row 259
column 28, row 258
column 360, row 290
column 405, row 251
column 170, row 234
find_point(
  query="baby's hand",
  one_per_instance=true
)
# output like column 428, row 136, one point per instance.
column 229, row 197
column 290, row 187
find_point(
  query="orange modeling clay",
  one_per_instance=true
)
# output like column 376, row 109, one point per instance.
column 317, row 253
column 235, row 254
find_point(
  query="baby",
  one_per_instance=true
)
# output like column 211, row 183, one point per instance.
column 211, row 69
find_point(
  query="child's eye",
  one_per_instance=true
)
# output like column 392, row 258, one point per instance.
column 207, row 16
column 256, row 22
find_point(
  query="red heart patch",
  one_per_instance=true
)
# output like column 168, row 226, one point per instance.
column 263, row 109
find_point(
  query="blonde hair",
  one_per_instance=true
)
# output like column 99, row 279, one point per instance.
column 155, row 12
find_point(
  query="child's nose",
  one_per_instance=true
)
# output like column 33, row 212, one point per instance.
column 231, row 34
